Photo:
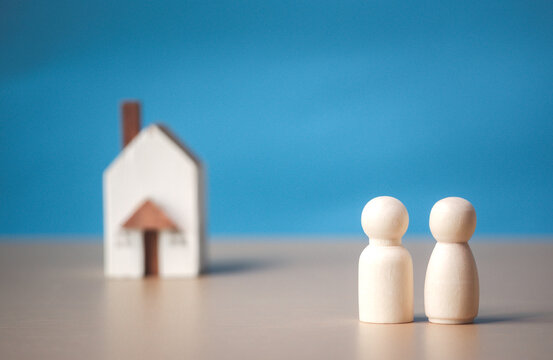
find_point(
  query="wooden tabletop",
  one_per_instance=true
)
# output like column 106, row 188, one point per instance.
column 280, row 299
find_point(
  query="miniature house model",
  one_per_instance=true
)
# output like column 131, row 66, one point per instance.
column 153, row 204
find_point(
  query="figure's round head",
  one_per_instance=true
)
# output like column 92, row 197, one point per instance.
column 385, row 218
column 452, row 220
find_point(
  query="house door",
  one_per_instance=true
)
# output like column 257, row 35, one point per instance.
column 150, row 253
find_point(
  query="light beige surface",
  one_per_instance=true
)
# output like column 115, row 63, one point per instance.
column 277, row 300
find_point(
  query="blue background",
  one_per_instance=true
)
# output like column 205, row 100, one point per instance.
column 303, row 111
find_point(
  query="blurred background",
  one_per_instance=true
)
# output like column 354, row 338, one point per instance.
column 302, row 110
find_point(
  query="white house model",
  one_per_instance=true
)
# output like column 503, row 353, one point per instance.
column 153, row 205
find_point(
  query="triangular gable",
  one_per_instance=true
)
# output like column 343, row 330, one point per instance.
column 165, row 132
column 149, row 216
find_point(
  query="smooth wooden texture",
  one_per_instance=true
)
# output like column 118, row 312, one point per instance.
column 149, row 216
column 151, row 267
column 282, row 299
column 385, row 266
column 130, row 121
column 451, row 287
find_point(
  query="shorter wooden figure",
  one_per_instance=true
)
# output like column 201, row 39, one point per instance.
column 451, row 289
column 385, row 266
column 153, row 204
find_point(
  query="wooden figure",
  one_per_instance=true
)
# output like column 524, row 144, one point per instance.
column 451, row 287
column 153, row 204
column 385, row 266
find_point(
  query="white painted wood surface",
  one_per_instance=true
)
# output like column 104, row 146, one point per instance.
column 154, row 166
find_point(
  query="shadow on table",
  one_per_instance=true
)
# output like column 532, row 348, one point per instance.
column 432, row 341
column 221, row 267
column 515, row 318
column 490, row 319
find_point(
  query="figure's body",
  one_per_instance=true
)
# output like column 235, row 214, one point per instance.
column 385, row 266
column 451, row 289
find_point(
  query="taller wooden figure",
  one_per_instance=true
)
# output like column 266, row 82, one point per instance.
column 451, row 290
column 153, row 204
column 385, row 266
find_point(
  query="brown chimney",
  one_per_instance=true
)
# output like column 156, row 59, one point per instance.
column 130, row 120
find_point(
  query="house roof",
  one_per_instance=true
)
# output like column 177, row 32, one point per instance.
column 165, row 130
column 149, row 216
